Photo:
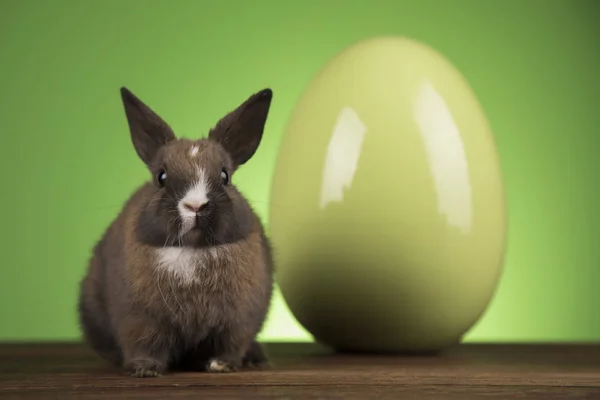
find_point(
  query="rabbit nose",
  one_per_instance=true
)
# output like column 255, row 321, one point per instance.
column 195, row 207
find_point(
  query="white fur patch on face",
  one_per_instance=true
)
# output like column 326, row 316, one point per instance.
column 194, row 199
column 194, row 150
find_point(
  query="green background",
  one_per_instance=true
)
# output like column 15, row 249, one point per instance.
column 68, row 164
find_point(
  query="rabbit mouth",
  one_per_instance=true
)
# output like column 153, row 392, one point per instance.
column 198, row 230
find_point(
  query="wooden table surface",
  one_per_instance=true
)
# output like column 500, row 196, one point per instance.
column 308, row 371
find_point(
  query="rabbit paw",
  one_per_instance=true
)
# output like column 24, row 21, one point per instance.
column 144, row 372
column 216, row 365
column 144, row 368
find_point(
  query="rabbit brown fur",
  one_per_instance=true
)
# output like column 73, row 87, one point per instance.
column 183, row 276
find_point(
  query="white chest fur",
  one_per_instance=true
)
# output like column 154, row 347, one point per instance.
column 183, row 263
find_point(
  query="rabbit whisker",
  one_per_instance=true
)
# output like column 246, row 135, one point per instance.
column 163, row 297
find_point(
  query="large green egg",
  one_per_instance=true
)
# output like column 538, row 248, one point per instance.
column 387, row 213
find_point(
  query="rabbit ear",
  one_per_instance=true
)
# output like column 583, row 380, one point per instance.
column 240, row 131
column 148, row 131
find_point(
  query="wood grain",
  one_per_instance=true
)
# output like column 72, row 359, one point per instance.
column 309, row 371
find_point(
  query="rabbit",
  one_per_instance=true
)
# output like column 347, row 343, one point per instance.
column 183, row 277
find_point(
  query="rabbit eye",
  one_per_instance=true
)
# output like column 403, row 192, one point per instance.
column 224, row 177
column 162, row 177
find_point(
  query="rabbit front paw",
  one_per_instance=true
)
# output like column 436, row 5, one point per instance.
column 220, row 366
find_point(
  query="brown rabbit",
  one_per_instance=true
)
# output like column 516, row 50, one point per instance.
column 183, row 276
